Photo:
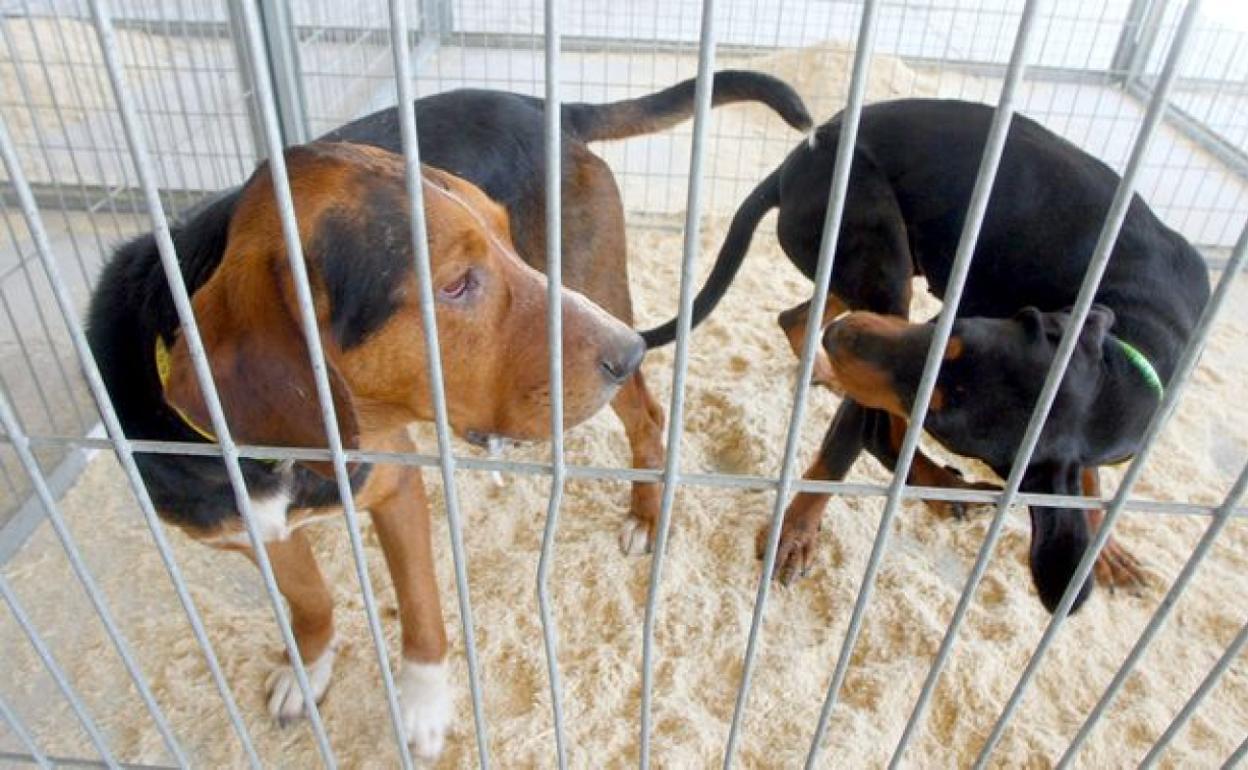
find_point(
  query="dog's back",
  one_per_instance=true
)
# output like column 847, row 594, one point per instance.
column 1047, row 209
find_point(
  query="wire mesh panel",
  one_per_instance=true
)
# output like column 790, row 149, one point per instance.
column 916, row 639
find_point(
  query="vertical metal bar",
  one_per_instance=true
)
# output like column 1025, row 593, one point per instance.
column 195, row 70
column 1100, row 259
column 247, row 76
column 1220, row 518
column 994, row 147
column 145, row 60
column 277, row 65
column 41, row 142
column 1138, row 65
column 60, row 116
column 307, row 317
column 437, row 387
column 108, row 415
column 23, row 735
column 199, row 359
column 1232, row 652
column 57, row 673
column 554, row 336
column 1237, row 756
column 676, row 412
column 1039, row 415
column 823, row 276
column 21, row 445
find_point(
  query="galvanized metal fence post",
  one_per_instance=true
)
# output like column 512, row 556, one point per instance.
column 839, row 186
column 445, row 459
column 676, row 412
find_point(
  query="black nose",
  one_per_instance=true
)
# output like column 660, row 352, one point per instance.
column 621, row 358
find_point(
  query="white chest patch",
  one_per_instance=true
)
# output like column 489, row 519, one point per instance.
column 269, row 516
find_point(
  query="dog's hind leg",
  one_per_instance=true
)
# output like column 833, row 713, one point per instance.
column 311, row 619
column 1115, row 567
column 643, row 422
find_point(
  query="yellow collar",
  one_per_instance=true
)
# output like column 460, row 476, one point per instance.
column 163, row 366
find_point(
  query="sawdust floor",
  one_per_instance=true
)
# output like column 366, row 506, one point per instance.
column 740, row 384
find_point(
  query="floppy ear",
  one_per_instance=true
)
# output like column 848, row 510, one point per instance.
column 259, row 361
column 1059, row 536
column 1100, row 319
column 1032, row 321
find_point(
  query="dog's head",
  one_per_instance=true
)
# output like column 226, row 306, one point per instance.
column 354, row 226
column 989, row 381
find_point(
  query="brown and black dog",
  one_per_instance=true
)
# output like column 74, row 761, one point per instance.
column 914, row 166
column 352, row 210
column 496, row 141
column 487, row 238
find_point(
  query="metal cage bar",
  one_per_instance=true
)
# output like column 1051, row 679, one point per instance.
column 1113, row 223
column 1237, row 756
column 676, row 412
column 124, row 451
column 838, row 192
column 994, row 147
column 446, row 460
column 24, row 737
column 57, row 673
column 21, row 446
column 273, row 136
column 1232, row 652
column 203, row 374
column 603, row 473
column 554, row 336
column 1220, row 519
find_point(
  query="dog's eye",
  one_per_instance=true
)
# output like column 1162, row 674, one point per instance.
column 460, row 287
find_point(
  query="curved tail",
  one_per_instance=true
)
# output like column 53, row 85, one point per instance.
column 761, row 199
column 663, row 109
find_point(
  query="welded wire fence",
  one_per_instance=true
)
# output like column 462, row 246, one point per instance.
column 117, row 117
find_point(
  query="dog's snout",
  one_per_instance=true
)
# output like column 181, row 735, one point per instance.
column 621, row 357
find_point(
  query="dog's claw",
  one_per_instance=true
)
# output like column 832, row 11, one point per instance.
column 793, row 553
column 636, row 537
column 1117, row 568
column 285, row 698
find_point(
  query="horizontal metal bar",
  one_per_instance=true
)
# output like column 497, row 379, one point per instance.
column 89, row 197
column 1234, row 158
column 605, row 473
column 9, row 717
column 26, row 519
column 60, row 761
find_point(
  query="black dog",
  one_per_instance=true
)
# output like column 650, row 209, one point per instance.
column 912, row 175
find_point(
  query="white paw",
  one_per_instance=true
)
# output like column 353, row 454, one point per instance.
column 635, row 537
column 285, row 698
column 425, row 698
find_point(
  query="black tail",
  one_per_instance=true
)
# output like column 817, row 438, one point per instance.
column 663, row 109
column 762, row 199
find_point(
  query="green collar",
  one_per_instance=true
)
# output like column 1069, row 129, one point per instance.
column 1142, row 365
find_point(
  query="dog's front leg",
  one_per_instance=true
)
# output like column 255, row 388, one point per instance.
column 311, row 619
column 403, row 528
